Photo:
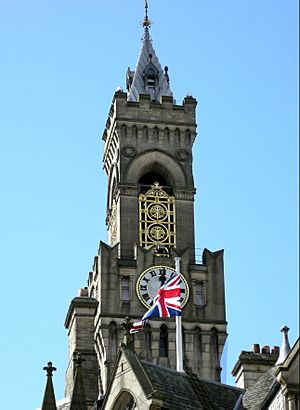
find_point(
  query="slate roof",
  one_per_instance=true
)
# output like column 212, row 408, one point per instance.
column 256, row 395
column 189, row 392
column 147, row 56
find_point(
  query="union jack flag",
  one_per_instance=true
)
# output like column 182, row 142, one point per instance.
column 165, row 304
column 167, row 301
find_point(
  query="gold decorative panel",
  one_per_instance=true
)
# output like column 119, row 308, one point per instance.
column 157, row 217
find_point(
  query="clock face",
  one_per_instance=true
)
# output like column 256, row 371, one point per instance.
column 150, row 281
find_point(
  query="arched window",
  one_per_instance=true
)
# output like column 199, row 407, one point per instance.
column 214, row 353
column 146, row 352
column 199, row 296
column 134, row 132
column 145, row 134
column 112, row 341
column 187, row 137
column 123, row 131
column 197, row 350
column 125, row 401
column 149, row 179
column 183, row 340
column 125, row 289
column 155, row 134
column 163, row 342
column 166, row 136
column 177, row 136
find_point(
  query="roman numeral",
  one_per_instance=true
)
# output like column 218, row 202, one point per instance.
column 152, row 273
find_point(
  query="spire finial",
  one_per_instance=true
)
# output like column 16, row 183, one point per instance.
column 49, row 402
column 49, row 369
column 146, row 23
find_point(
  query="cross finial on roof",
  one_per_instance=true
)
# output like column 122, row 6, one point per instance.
column 49, row 369
column 49, row 402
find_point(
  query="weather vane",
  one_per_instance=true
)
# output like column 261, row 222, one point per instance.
column 146, row 22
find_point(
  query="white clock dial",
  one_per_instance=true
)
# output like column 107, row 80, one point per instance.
column 150, row 281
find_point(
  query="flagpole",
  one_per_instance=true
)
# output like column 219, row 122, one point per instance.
column 179, row 360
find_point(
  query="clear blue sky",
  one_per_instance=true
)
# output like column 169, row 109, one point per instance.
column 62, row 60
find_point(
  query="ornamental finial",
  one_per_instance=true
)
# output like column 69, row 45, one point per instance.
column 126, row 326
column 146, row 22
column 285, row 347
column 49, row 369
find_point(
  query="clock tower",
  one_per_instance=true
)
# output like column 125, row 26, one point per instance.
column 148, row 141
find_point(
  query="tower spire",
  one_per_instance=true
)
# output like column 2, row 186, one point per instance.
column 49, row 402
column 148, row 77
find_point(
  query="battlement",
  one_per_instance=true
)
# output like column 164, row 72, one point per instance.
column 151, row 112
column 149, row 125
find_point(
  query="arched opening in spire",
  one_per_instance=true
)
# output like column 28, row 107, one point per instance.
column 150, row 75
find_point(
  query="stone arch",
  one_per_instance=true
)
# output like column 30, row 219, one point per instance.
column 159, row 162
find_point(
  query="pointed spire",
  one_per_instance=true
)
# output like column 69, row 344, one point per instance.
column 148, row 77
column 78, row 399
column 49, row 402
column 285, row 347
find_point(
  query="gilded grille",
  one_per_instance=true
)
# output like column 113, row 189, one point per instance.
column 157, row 217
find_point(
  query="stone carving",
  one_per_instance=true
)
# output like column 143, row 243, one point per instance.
column 129, row 151
column 183, row 155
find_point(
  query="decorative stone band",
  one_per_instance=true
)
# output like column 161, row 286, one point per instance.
column 185, row 194
column 125, row 189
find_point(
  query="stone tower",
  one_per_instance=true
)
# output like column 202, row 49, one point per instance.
column 148, row 142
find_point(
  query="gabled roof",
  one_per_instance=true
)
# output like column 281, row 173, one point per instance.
column 259, row 395
column 174, row 389
column 256, row 394
column 188, row 391
column 148, row 61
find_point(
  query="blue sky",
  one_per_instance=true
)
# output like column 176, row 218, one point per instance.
column 61, row 63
